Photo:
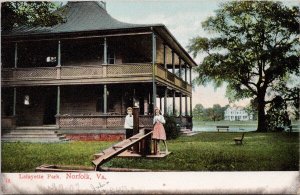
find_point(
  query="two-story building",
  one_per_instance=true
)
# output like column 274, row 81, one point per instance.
column 82, row 74
column 237, row 113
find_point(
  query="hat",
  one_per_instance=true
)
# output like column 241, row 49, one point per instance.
column 156, row 108
column 129, row 108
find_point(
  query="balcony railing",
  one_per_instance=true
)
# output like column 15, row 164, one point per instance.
column 76, row 72
column 114, row 71
column 172, row 78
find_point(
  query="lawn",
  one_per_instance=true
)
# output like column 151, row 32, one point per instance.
column 203, row 152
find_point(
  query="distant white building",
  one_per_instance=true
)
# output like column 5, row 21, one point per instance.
column 237, row 113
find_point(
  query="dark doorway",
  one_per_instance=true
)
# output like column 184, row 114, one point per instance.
column 50, row 108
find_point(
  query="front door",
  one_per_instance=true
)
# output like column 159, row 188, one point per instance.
column 50, row 109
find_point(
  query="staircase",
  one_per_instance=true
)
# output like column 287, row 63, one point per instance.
column 42, row 134
column 187, row 132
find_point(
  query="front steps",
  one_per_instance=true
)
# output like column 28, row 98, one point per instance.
column 33, row 134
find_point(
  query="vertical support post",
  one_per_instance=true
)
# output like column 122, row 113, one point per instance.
column 186, row 106
column 105, row 51
column 180, row 68
column 153, row 70
column 185, row 73
column 173, row 63
column 190, row 75
column 15, row 102
column 135, row 113
column 59, row 54
column 191, row 107
column 165, row 101
column 160, row 103
column 180, row 105
column 105, row 99
column 58, row 101
column 174, row 112
column 165, row 57
column 58, row 106
column 16, row 55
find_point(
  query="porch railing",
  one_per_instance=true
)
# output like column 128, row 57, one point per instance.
column 107, row 121
column 91, row 72
column 172, row 78
column 99, row 121
column 75, row 72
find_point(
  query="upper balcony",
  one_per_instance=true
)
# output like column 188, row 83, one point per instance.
column 89, row 74
column 121, row 59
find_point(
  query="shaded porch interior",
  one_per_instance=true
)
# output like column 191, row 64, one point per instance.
column 83, row 105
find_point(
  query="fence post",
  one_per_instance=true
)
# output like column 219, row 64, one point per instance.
column 135, row 113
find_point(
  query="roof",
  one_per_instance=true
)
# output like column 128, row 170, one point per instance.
column 91, row 16
column 79, row 16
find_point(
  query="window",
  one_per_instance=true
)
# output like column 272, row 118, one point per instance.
column 26, row 100
column 51, row 59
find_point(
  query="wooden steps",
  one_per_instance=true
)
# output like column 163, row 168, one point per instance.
column 33, row 135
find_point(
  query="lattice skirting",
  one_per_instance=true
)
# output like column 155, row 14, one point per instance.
column 80, row 122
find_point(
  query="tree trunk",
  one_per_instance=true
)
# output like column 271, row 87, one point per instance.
column 261, row 126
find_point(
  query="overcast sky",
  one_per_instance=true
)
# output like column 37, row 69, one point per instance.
column 183, row 18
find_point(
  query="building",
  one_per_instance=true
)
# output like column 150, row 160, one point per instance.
column 81, row 75
column 237, row 113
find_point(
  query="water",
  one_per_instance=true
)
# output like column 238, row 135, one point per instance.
column 231, row 128
column 234, row 128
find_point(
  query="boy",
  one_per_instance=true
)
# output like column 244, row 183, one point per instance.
column 128, row 125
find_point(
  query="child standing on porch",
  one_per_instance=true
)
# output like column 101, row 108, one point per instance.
column 159, row 132
column 128, row 125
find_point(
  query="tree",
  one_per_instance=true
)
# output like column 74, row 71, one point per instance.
column 198, row 112
column 18, row 13
column 255, row 48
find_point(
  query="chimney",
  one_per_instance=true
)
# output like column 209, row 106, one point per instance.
column 102, row 4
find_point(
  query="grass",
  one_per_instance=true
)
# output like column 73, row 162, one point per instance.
column 202, row 152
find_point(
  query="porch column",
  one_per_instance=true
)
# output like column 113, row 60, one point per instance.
column 15, row 101
column 160, row 103
column 180, row 68
column 165, row 57
column 185, row 73
column 186, row 106
column 190, row 75
column 59, row 54
column 58, row 101
column 191, row 107
column 180, row 105
column 153, row 70
column 16, row 55
column 173, row 63
column 105, row 99
column 174, row 112
column 165, row 101
column 105, row 51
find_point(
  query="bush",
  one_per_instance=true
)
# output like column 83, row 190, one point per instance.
column 171, row 127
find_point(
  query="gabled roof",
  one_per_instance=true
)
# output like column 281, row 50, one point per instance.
column 90, row 16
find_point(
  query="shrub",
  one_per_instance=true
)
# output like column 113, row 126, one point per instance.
column 171, row 127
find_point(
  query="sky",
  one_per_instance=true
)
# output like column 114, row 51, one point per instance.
column 183, row 18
